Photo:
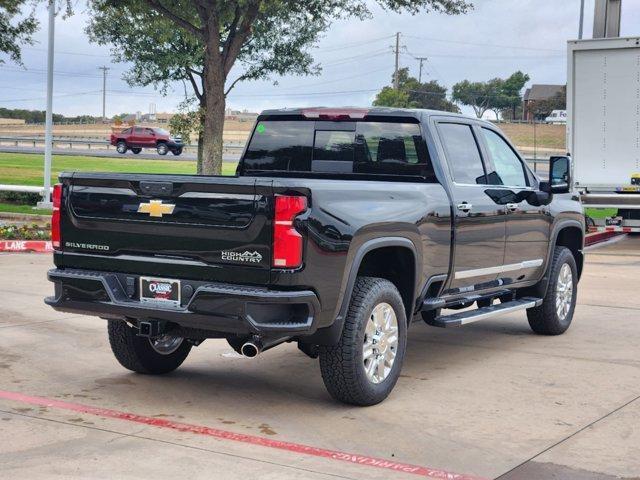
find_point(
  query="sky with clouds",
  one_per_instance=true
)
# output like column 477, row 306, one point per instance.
column 495, row 39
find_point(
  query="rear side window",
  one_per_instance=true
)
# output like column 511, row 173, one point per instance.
column 372, row 148
column 462, row 152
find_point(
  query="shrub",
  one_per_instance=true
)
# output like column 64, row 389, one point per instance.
column 21, row 198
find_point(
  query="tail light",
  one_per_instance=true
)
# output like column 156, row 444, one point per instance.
column 287, row 242
column 55, row 217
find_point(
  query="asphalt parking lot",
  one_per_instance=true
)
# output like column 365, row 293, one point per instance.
column 485, row 401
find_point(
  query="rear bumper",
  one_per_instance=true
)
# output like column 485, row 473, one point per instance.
column 214, row 307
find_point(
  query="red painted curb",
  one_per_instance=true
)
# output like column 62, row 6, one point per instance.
column 593, row 238
column 38, row 246
column 239, row 437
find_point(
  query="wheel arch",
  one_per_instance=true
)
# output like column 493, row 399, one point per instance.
column 570, row 234
column 572, row 237
column 385, row 258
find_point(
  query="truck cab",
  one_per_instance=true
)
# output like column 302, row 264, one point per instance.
column 340, row 229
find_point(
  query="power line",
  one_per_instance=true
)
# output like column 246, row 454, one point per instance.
column 8, row 100
column 355, row 44
column 476, row 44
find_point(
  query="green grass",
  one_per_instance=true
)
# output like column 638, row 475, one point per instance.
column 26, row 209
column 26, row 169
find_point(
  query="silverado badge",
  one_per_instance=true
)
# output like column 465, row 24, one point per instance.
column 155, row 208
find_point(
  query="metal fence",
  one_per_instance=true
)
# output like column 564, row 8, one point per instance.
column 96, row 144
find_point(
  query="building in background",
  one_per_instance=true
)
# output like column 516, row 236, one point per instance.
column 537, row 94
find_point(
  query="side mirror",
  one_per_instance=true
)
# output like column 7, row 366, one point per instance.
column 559, row 175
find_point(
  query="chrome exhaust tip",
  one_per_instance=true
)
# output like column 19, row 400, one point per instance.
column 250, row 350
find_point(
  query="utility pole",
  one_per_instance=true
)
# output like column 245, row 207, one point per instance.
column 396, row 80
column 48, row 135
column 104, row 69
column 581, row 26
column 420, row 59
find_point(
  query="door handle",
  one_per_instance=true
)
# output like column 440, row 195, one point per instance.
column 513, row 207
column 465, row 207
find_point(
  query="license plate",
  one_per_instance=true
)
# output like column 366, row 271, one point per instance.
column 613, row 221
column 161, row 291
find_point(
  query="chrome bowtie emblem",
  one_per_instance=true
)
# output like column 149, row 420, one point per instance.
column 155, row 208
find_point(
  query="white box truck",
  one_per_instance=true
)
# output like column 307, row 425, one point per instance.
column 603, row 129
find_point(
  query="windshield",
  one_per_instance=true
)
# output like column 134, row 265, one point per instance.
column 364, row 147
column 161, row 131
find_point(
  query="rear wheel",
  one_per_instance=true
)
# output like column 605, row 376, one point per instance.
column 554, row 316
column 162, row 354
column 162, row 149
column 136, row 150
column 364, row 366
column 121, row 147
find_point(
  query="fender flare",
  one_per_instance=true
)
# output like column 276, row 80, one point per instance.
column 331, row 335
column 541, row 287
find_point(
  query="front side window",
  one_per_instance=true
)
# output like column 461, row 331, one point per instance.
column 462, row 152
column 509, row 168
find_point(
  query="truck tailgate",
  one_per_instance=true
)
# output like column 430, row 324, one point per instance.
column 209, row 228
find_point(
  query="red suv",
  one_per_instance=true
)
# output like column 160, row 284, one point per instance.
column 137, row 138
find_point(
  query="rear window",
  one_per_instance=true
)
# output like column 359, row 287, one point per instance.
column 373, row 148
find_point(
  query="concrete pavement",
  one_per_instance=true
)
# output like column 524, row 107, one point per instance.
column 489, row 400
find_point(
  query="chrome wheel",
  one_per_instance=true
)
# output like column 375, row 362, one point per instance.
column 564, row 291
column 166, row 344
column 380, row 343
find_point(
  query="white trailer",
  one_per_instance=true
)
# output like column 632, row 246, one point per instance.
column 603, row 127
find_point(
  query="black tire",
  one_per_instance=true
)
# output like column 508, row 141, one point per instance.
column 177, row 151
column 162, row 148
column 136, row 353
column 121, row 147
column 544, row 320
column 136, row 150
column 342, row 365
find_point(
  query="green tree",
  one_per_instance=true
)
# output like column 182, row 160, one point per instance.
column 265, row 37
column 16, row 28
column 496, row 94
column 390, row 97
column 476, row 95
column 18, row 23
column 413, row 94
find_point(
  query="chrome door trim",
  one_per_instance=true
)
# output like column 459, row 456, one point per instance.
column 512, row 267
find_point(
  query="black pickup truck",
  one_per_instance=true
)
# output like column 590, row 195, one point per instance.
column 340, row 227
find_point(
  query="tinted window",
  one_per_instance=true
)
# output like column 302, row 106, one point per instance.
column 373, row 148
column 138, row 131
column 280, row 145
column 463, row 155
column 509, row 169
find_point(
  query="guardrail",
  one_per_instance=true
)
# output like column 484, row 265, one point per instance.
column 97, row 144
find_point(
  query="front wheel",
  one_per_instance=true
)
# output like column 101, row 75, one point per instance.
column 364, row 366
column 162, row 149
column 177, row 152
column 121, row 147
column 554, row 316
column 162, row 354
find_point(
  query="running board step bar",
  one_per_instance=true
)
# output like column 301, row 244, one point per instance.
column 463, row 318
